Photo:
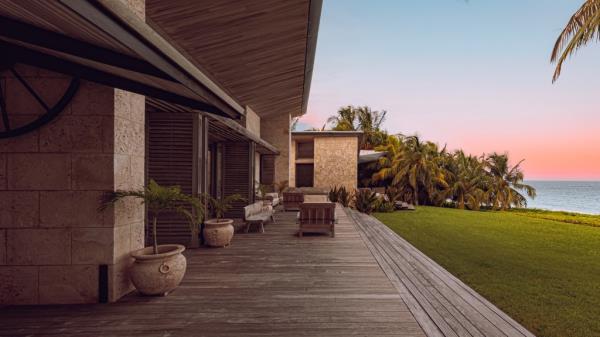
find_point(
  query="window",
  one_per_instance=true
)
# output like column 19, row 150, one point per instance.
column 304, row 175
column 305, row 150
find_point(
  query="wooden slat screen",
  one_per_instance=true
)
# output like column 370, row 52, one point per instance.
column 170, row 162
column 267, row 170
column 237, row 175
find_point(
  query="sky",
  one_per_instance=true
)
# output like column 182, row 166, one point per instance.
column 467, row 74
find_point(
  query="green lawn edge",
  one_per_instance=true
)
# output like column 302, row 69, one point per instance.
column 543, row 273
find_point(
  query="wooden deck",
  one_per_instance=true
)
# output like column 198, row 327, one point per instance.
column 272, row 284
column 367, row 281
column 441, row 303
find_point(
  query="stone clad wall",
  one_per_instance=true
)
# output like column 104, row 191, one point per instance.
column 52, row 238
column 292, row 182
column 336, row 162
column 252, row 121
column 276, row 130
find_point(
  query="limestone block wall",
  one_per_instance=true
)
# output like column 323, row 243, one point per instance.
column 336, row 162
column 292, row 182
column 276, row 130
column 52, row 238
column 252, row 121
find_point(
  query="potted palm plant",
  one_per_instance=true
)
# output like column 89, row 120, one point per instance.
column 193, row 211
column 218, row 232
column 157, row 269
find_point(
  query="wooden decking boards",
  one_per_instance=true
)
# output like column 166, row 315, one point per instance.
column 367, row 281
column 441, row 303
column 271, row 284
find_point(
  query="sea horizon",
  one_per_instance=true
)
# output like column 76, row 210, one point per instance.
column 578, row 196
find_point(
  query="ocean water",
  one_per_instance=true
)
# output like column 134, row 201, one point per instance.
column 572, row 196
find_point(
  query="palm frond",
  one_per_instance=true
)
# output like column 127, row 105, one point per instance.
column 583, row 27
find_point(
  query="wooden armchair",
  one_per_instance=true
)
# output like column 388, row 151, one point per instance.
column 292, row 200
column 318, row 217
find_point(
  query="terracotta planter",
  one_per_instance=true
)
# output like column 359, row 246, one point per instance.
column 218, row 233
column 158, row 274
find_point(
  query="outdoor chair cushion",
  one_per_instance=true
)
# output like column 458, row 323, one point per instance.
column 259, row 217
column 257, row 209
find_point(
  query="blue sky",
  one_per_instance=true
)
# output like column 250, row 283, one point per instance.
column 473, row 75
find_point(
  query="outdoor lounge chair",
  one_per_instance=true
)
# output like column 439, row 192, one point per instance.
column 292, row 200
column 258, row 214
column 318, row 217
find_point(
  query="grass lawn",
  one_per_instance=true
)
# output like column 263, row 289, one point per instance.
column 543, row 273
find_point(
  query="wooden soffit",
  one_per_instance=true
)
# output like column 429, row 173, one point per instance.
column 260, row 51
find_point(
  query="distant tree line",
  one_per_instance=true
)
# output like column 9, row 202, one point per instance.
column 423, row 174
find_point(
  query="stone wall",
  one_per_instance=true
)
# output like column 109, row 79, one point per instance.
column 252, row 121
column 336, row 162
column 52, row 238
column 276, row 130
column 292, row 182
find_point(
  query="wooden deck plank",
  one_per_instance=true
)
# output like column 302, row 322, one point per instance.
column 471, row 310
column 450, row 312
column 463, row 297
column 271, row 284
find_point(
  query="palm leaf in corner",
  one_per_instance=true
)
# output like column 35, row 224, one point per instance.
column 583, row 27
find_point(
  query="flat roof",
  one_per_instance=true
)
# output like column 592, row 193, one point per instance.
column 328, row 133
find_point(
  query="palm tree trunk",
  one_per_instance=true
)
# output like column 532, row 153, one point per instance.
column 416, row 196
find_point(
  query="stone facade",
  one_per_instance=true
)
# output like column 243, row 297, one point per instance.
column 252, row 121
column 52, row 237
column 335, row 161
column 292, row 174
column 276, row 131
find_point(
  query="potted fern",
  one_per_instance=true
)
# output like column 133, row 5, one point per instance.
column 218, row 232
column 157, row 269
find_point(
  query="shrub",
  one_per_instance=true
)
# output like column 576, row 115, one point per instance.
column 341, row 195
column 385, row 206
column 344, row 197
column 333, row 194
column 365, row 201
column 393, row 194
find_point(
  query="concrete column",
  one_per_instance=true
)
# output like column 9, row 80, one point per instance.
column 276, row 130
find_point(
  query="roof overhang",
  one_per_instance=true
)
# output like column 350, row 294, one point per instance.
column 369, row 156
column 261, row 51
column 105, row 42
column 220, row 129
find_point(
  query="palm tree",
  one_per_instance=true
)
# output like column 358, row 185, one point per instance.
column 414, row 164
column 506, row 183
column 344, row 120
column 294, row 123
column 370, row 123
column 465, row 176
column 583, row 27
column 350, row 118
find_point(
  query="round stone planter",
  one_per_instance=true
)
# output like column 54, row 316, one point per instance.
column 158, row 274
column 218, row 232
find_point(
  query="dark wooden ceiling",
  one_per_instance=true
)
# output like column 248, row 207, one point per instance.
column 255, row 49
